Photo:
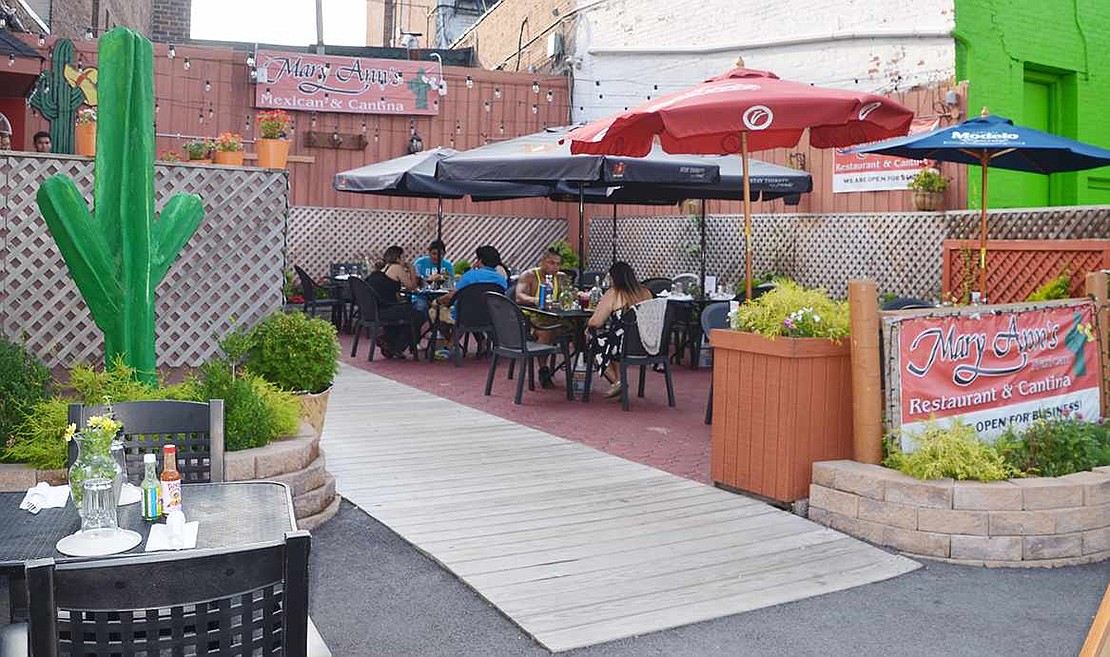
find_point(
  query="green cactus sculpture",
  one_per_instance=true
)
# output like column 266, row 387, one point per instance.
column 56, row 100
column 119, row 257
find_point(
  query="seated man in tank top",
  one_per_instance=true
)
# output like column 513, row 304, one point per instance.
column 546, row 330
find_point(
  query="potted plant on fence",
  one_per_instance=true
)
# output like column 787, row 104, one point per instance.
column 299, row 354
column 84, row 134
column 272, row 147
column 229, row 149
column 928, row 190
column 199, row 151
column 782, row 392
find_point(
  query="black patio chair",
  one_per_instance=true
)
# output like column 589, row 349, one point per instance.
column 757, row 291
column 196, row 429
column 590, row 279
column 633, row 354
column 350, row 268
column 314, row 302
column 248, row 600
column 714, row 316
column 905, row 303
column 657, row 285
column 510, row 340
column 369, row 317
column 471, row 317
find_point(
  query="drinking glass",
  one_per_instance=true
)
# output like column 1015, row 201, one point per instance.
column 99, row 507
column 119, row 455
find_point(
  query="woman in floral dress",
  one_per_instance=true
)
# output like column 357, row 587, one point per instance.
column 608, row 331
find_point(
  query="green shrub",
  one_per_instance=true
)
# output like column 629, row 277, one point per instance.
column 24, row 382
column 462, row 265
column 38, row 441
column 294, row 352
column 255, row 412
column 953, row 451
column 1057, row 288
column 793, row 311
column 1056, row 447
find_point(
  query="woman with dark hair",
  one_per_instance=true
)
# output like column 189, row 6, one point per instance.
column 624, row 292
column 393, row 276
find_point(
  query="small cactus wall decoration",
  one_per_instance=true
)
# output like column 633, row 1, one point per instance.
column 56, row 99
column 119, row 256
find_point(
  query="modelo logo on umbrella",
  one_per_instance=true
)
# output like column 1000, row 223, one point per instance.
column 984, row 135
column 758, row 117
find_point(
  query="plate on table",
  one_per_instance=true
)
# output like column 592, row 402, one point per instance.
column 721, row 297
column 130, row 494
column 98, row 543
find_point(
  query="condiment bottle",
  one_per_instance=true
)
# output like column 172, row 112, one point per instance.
column 171, row 480
column 152, row 489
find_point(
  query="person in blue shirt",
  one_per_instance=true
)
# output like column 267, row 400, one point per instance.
column 432, row 270
column 487, row 269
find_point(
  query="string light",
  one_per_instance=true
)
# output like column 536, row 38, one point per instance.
column 501, row 128
column 312, row 122
column 550, row 95
column 210, row 112
column 375, row 135
column 207, row 86
column 363, row 129
column 88, row 34
column 11, row 60
column 250, row 60
column 172, row 52
column 487, row 105
column 535, row 87
column 156, row 107
column 458, row 127
column 497, row 92
column 187, row 64
column 200, row 118
column 469, row 82
column 535, row 108
column 42, row 39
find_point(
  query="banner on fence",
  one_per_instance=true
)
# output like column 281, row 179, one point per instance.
column 867, row 172
column 997, row 371
column 302, row 81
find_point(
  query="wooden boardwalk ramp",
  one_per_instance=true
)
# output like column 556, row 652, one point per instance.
column 576, row 546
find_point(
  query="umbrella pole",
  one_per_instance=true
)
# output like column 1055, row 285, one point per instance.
column 439, row 219
column 701, row 285
column 747, row 218
column 614, row 242
column 984, row 160
column 581, row 228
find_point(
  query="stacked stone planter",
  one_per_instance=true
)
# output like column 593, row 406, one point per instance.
column 296, row 461
column 1035, row 521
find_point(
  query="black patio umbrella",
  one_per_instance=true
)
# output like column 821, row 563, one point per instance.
column 414, row 176
column 767, row 182
column 544, row 157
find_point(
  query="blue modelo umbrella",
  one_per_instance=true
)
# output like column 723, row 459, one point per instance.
column 994, row 141
column 414, row 176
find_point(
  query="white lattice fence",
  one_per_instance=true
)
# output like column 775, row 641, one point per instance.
column 321, row 236
column 231, row 267
column 901, row 251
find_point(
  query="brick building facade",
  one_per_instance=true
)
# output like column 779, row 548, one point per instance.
column 171, row 20
column 73, row 19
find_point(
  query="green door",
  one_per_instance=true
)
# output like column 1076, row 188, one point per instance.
column 1037, row 113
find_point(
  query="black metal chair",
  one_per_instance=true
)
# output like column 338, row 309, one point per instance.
column 250, row 600
column 714, row 316
column 633, row 354
column 657, row 285
column 349, row 268
column 905, row 303
column 757, row 291
column 590, row 279
column 471, row 316
column 196, row 429
column 369, row 317
column 510, row 340
column 314, row 302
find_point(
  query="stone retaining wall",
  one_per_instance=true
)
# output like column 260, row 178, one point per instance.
column 296, row 461
column 1035, row 521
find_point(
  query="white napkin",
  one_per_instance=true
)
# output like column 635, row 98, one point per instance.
column 160, row 537
column 44, row 496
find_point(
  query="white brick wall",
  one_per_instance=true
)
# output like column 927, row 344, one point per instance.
column 676, row 44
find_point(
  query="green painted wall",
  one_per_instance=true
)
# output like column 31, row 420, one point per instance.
column 1046, row 64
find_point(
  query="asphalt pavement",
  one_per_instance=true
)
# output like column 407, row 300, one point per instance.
column 374, row 594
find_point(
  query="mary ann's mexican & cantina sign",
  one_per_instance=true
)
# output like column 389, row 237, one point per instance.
column 996, row 371
column 300, row 81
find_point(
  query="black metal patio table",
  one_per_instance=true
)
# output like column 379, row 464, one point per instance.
column 431, row 294
column 230, row 514
column 576, row 316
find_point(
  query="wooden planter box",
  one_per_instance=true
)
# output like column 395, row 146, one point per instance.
column 779, row 406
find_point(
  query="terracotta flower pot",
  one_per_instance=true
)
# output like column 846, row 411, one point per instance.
column 928, row 201
column 203, row 160
column 272, row 153
column 228, row 158
column 85, row 139
column 779, row 406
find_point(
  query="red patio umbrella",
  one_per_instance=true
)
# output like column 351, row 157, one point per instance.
column 741, row 111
